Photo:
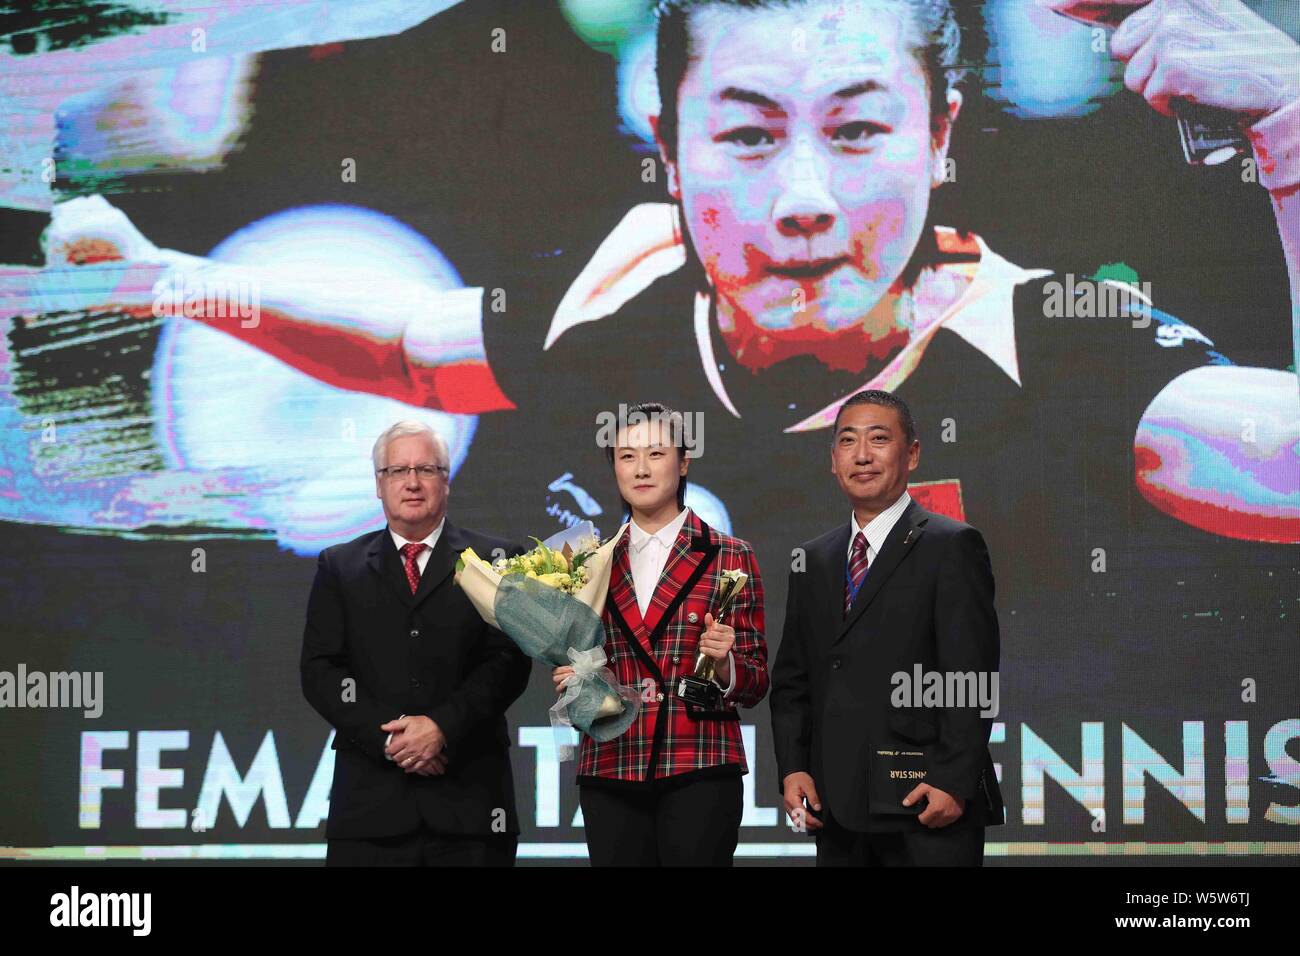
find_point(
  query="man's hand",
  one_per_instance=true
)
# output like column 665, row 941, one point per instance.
column 716, row 642
column 941, row 808
column 416, row 742
column 431, row 768
column 798, row 786
column 1209, row 52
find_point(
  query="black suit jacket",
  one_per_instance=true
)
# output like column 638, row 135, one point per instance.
column 927, row 599
column 429, row 653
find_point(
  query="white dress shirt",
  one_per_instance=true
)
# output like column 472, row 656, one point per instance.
column 647, row 554
column 877, row 529
column 421, row 560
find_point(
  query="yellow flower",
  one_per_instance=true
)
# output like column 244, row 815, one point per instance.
column 469, row 557
column 556, row 579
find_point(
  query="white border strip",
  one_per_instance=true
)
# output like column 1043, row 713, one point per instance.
column 578, row 851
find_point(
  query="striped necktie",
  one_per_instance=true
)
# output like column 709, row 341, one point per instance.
column 857, row 570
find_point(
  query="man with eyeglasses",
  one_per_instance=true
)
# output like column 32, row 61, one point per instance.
column 413, row 681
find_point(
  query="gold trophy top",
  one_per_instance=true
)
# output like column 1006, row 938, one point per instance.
column 731, row 584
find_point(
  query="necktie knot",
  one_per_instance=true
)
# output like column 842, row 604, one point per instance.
column 860, row 543
column 411, row 550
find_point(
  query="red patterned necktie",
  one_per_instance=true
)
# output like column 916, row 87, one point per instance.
column 857, row 570
column 410, row 552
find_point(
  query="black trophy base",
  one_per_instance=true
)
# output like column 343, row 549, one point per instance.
column 699, row 692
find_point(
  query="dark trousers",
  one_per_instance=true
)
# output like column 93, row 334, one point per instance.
column 961, row 843
column 423, row 847
column 696, row 823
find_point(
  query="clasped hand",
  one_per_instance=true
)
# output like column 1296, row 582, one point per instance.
column 418, row 745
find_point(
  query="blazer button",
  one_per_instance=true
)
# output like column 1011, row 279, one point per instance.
column 414, row 682
column 659, row 697
column 676, row 658
column 692, row 618
column 415, row 632
column 835, row 664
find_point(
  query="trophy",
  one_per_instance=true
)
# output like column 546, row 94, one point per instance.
column 699, row 689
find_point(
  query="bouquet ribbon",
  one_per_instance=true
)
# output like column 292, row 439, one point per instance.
column 588, row 666
column 586, row 663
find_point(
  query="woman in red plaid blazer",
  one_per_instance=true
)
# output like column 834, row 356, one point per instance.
column 668, row 791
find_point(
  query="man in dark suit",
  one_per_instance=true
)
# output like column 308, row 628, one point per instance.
column 414, row 682
column 896, row 593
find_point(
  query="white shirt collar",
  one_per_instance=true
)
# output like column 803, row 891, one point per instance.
column 647, row 245
column 430, row 541
column 878, row 528
column 639, row 538
column 983, row 315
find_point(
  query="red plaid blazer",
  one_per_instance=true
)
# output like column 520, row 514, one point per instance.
column 650, row 654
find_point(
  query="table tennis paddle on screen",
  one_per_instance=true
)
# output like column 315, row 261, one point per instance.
column 1210, row 135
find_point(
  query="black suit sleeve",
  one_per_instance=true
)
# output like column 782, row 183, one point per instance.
column 495, row 680
column 966, row 639
column 354, row 712
column 791, row 698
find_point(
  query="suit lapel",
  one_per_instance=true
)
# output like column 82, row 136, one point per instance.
column 902, row 538
column 689, row 558
column 442, row 562
column 623, row 593
column 386, row 562
column 830, row 562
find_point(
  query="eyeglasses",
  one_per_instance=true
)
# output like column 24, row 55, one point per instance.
column 426, row 472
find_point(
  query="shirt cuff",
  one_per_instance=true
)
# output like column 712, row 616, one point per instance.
column 731, row 659
column 1276, row 140
column 389, row 740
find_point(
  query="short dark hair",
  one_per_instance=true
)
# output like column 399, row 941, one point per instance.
column 939, row 52
column 876, row 396
column 677, row 432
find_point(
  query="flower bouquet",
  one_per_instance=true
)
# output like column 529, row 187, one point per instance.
column 549, row 602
